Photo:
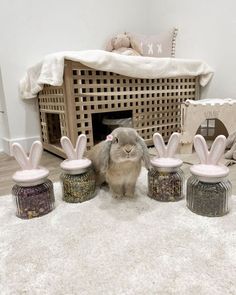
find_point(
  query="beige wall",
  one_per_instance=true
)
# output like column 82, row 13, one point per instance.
column 207, row 30
column 30, row 29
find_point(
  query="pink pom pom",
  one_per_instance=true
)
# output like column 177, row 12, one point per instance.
column 109, row 137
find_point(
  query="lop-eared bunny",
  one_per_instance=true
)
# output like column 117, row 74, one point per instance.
column 118, row 160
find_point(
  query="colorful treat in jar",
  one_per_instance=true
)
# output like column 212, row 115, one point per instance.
column 78, row 178
column 208, row 189
column 165, row 178
column 33, row 192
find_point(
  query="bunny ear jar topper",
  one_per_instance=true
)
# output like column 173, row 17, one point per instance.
column 208, row 189
column 166, row 179
column 77, row 178
column 33, row 192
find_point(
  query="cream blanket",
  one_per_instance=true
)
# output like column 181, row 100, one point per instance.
column 50, row 69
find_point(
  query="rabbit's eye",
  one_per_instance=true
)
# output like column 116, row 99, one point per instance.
column 116, row 140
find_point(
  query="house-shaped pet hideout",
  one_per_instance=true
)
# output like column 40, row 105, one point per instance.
column 209, row 117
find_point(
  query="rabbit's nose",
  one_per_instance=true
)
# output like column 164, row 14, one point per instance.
column 128, row 148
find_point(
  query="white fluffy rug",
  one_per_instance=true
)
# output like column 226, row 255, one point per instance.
column 107, row 246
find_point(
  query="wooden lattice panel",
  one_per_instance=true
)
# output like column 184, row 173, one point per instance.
column 154, row 104
column 53, row 115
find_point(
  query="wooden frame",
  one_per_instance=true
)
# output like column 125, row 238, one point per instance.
column 155, row 103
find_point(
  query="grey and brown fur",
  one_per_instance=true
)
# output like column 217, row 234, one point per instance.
column 118, row 162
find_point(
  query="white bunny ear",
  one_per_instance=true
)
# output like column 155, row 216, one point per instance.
column 159, row 144
column 201, row 148
column 217, row 150
column 173, row 144
column 20, row 156
column 80, row 146
column 68, row 148
column 35, row 154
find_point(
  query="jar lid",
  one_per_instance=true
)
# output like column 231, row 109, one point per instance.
column 75, row 166
column 30, row 177
column 166, row 162
column 31, row 173
column 209, row 169
column 75, row 163
column 166, row 159
column 209, row 173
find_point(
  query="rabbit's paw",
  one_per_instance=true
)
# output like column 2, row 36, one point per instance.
column 129, row 191
column 117, row 196
column 116, row 191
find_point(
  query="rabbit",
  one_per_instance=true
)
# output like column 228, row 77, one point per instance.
column 118, row 160
column 216, row 152
column 168, row 151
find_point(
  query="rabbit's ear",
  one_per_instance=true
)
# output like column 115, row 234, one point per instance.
column 35, row 154
column 159, row 144
column 217, row 150
column 104, row 155
column 173, row 144
column 146, row 157
column 80, row 146
column 68, row 148
column 20, row 156
column 201, row 148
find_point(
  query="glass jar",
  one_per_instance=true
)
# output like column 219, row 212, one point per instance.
column 166, row 185
column 208, row 198
column 33, row 201
column 78, row 187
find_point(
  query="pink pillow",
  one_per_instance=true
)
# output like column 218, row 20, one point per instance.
column 162, row 45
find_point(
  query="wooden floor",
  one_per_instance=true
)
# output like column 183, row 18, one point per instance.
column 8, row 166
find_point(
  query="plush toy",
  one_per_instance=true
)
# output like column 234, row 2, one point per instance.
column 231, row 144
column 121, row 44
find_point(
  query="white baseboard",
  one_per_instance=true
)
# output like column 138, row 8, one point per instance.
column 1, row 146
column 26, row 143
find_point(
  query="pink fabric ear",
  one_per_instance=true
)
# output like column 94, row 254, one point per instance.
column 109, row 45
